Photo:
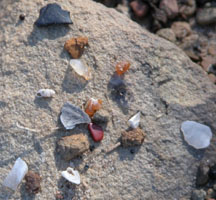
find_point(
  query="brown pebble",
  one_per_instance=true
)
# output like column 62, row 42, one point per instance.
column 140, row 9
column 206, row 61
column 212, row 50
column 181, row 29
column 32, row 182
column 132, row 138
column 75, row 46
column 212, row 78
column 72, row 146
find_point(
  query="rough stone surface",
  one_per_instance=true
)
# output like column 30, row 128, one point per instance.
column 170, row 7
column 202, row 174
column 206, row 16
column 167, row 33
column 32, row 183
column 168, row 88
column 198, row 195
column 181, row 29
column 72, row 146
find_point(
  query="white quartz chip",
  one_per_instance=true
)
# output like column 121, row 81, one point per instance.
column 196, row 134
column 71, row 175
column 16, row 175
column 80, row 68
column 134, row 121
column 46, row 93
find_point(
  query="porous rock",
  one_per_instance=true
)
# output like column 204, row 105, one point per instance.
column 164, row 81
column 32, row 183
column 70, row 147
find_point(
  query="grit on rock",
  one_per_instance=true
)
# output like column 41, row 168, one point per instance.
column 165, row 85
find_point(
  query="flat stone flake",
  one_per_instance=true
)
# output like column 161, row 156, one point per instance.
column 72, row 115
column 52, row 14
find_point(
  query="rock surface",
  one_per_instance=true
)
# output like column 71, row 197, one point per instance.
column 206, row 16
column 167, row 88
column 167, row 33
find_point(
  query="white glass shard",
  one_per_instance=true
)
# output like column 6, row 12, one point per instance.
column 134, row 121
column 45, row 93
column 196, row 134
column 16, row 175
column 80, row 68
column 71, row 175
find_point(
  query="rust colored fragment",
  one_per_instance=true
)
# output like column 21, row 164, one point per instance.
column 122, row 67
column 75, row 46
column 33, row 182
column 92, row 106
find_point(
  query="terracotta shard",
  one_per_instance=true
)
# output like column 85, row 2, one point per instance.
column 75, row 46
column 92, row 106
column 122, row 67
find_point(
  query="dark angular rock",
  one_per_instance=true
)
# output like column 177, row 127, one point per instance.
column 202, row 174
column 52, row 14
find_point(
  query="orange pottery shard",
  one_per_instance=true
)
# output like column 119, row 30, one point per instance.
column 75, row 46
column 122, row 67
column 92, row 106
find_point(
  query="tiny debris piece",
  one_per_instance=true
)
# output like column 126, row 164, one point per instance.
column 92, row 106
column 72, row 115
column 132, row 138
column 196, row 134
column 75, row 46
column 46, row 93
column 71, row 175
column 134, row 121
column 72, row 146
column 16, row 175
column 53, row 14
column 22, row 17
column 33, row 182
column 80, row 68
column 96, row 132
column 122, row 67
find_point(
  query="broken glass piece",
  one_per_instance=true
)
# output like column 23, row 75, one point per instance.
column 80, row 68
column 53, row 14
column 96, row 132
column 196, row 134
column 122, row 67
column 71, row 175
column 72, row 115
column 134, row 121
column 16, row 175
column 92, row 106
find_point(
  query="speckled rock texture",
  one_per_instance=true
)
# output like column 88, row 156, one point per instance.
column 162, row 83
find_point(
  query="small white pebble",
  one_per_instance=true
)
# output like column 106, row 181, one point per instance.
column 135, row 120
column 46, row 93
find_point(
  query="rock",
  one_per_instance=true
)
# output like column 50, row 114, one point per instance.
column 170, row 7
column 72, row 115
column 212, row 173
column 132, row 138
column 164, row 82
column 212, row 68
column 32, row 183
column 198, row 195
column 96, row 132
column 210, row 194
column 52, row 14
column 22, row 17
column 139, row 8
column 202, row 177
column 196, row 134
column 181, row 29
column 70, row 147
column 207, row 62
column 212, row 78
column 188, row 8
column 167, row 33
column 206, row 16
column 75, row 46
column 212, row 50
column 109, row 3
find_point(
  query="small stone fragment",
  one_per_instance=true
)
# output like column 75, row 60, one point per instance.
column 132, row 138
column 170, row 7
column 22, row 17
column 96, row 132
column 134, row 121
column 167, row 33
column 46, row 93
column 198, row 195
column 122, row 67
column 181, row 29
column 72, row 146
column 32, row 182
column 188, row 8
column 202, row 176
column 139, row 8
column 52, row 14
column 71, row 175
column 92, row 106
column 80, row 68
column 212, row 77
column 75, row 46
column 16, row 175
column 72, row 115
column 196, row 134
column 206, row 16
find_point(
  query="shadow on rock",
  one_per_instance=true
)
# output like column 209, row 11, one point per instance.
column 43, row 102
column 73, row 83
column 50, row 32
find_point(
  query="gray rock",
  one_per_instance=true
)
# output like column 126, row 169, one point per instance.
column 206, row 16
column 167, row 87
column 167, row 33
column 198, row 195
column 202, row 174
